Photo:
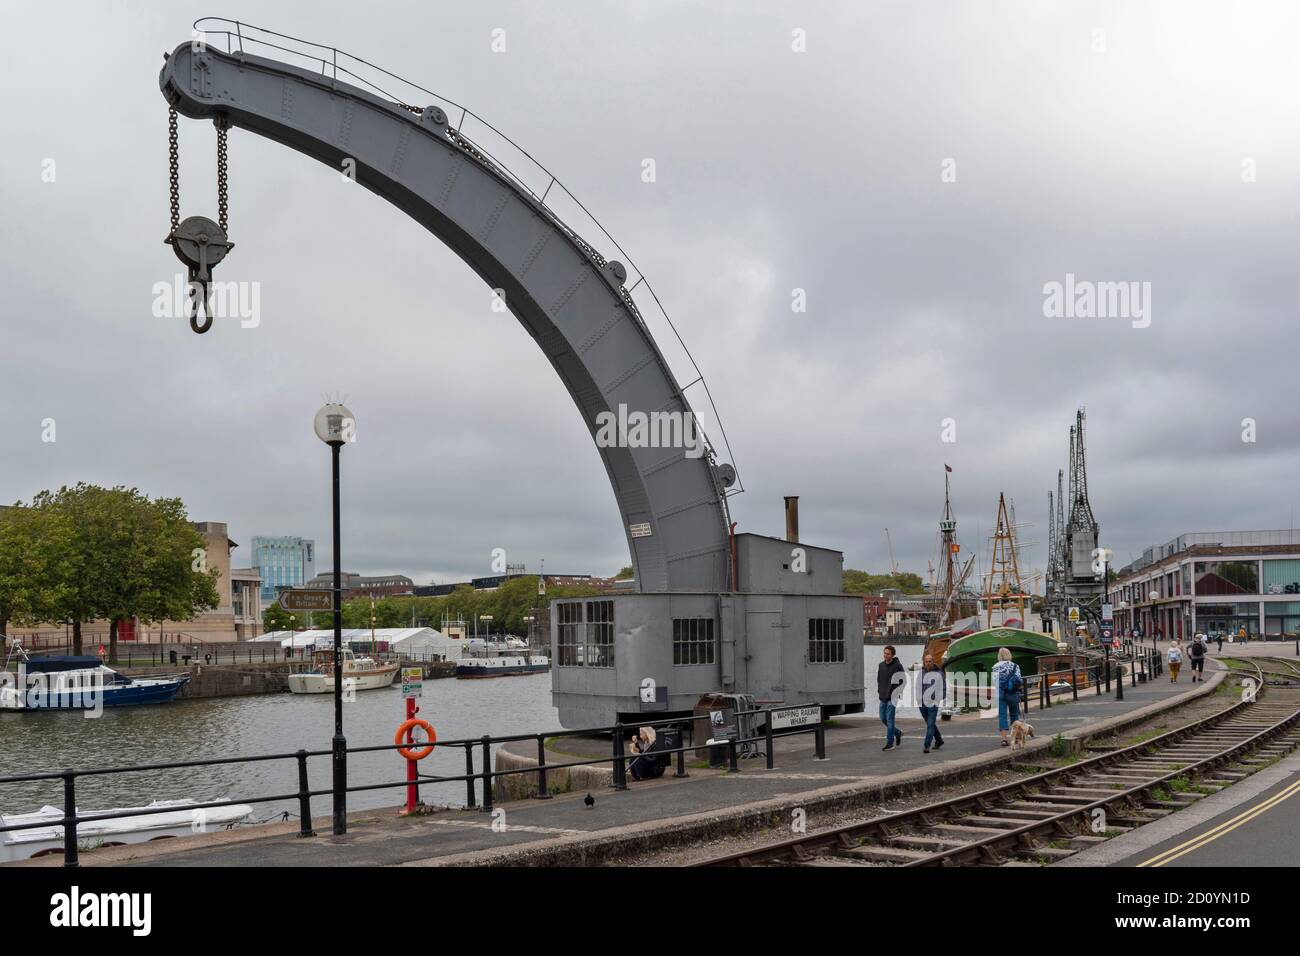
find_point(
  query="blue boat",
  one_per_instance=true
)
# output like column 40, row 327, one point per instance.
column 477, row 667
column 80, row 683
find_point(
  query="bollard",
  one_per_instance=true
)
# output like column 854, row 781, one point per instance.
column 1133, row 672
column 1096, row 678
column 70, row 818
column 732, row 765
column 470, row 801
column 1119, row 681
column 767, row 739
column 304, row 797
column 543, row 792
column 819, row 740
column 487, row 773
column 1108, row 673
column 620, row 768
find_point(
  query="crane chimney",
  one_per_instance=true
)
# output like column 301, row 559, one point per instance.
column 792, row 518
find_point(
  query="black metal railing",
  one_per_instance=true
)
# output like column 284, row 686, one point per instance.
column 485, row 776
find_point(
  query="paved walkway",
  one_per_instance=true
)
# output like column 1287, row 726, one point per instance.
column 854, row 757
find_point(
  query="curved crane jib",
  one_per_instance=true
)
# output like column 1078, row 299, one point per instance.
column 566, row 296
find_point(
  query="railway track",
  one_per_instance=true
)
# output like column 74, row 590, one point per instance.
column 1052, row 815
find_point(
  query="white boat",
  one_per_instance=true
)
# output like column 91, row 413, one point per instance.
column 185, row 820
column 359, row 673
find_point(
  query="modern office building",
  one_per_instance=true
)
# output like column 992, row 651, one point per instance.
column 283, row 562
column 1215, row 582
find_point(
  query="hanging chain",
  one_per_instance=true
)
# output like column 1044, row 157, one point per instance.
column 174, row 152
column 222, row 184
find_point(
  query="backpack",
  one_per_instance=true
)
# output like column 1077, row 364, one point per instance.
column 1010, row 680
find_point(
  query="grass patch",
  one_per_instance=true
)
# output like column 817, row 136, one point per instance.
column 1059, row 747
column 1143, row 737
column 1180, row 784
column 1160, row 793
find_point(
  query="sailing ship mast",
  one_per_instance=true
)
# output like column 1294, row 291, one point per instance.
column 1005, row 591
column 948, row 536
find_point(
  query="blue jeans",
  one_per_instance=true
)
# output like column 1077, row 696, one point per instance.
column 887, row 718
column 930, row 715
column 1008, row 710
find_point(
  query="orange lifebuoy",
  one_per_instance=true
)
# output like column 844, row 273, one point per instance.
column 408, row 752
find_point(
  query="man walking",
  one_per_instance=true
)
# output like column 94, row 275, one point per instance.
column 934, row 689
column 889, row 687
column 1196, row 655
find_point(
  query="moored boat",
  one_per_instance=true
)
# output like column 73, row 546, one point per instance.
column 80, row 683
column 474, row 667
column 978, row 652
column 359, row 673
column 155, row 824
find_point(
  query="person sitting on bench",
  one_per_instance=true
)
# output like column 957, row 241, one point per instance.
column 645, row 766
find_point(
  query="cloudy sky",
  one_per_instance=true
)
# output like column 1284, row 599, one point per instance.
column 921, row 171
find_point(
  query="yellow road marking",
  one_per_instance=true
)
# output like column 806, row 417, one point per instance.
column 1222, row 829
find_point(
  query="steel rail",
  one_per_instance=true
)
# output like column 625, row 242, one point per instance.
column 843, row 837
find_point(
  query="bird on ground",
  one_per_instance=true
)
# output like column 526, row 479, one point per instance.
column 589, row 800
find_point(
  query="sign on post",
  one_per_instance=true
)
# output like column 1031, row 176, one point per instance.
column 1108, row 612
column 412, row 683
column 1074, row 615
column 306, row 599
column 796, row 717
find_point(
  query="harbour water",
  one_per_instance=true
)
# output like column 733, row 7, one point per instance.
column 279, row 723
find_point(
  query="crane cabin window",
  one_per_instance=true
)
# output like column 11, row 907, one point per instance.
column 692, row 640
column 600, row 634
column 826, row 640
column 569, row 622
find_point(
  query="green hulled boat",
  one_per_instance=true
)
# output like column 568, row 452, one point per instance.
column 978, row 652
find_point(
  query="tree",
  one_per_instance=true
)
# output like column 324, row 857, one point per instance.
column 32, row 541
column 276, row 618
column 123, row 556
column 863, row 582
column 167, row 578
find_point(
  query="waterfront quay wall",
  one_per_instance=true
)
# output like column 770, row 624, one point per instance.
column 225, row 680
column 242, row 679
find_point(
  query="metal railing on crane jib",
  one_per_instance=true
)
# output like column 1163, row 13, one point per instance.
column 526, row 172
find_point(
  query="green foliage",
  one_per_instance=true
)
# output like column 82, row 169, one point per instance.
column 32, row 545
column 276, row 618
column 104, row 553
column 508, row 605
column 864, row 582
column 624, row 573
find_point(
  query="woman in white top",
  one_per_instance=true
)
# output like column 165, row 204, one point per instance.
column 1175, row 661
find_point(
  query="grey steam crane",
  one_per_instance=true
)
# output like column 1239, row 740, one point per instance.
column 1076, row 576
column 756, row 617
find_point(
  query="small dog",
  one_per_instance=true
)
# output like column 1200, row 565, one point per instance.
column 1019, row 731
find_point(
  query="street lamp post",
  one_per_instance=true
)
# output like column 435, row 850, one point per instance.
column 335, row 425
column 1154, row 596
